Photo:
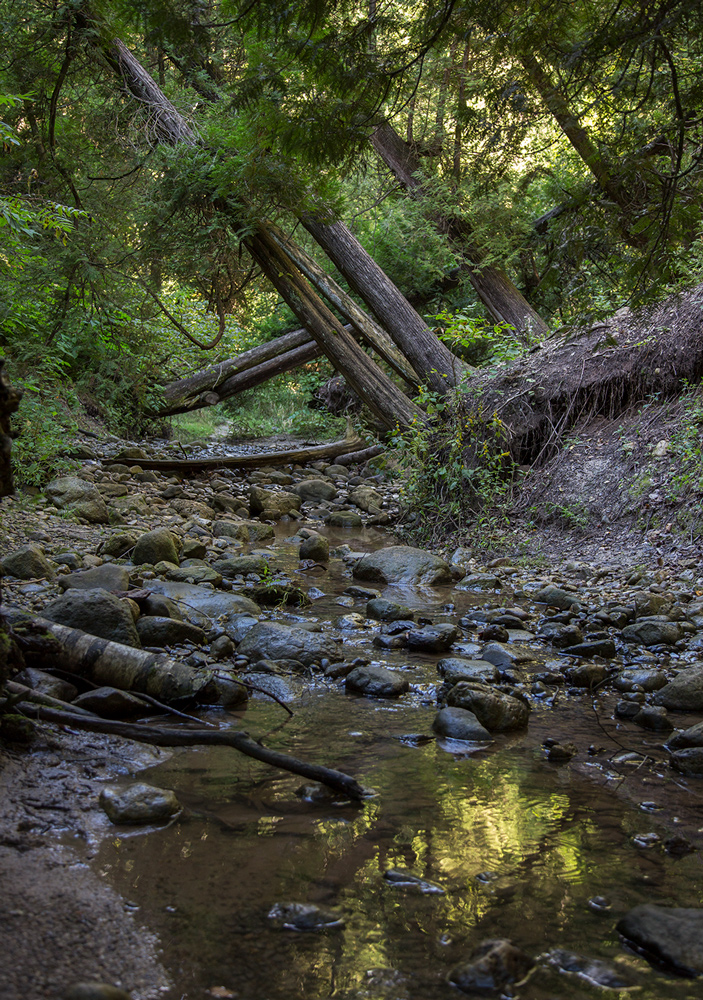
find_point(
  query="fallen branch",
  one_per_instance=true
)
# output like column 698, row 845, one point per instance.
column 336, row 780
column 357, row 457
column 310, row 454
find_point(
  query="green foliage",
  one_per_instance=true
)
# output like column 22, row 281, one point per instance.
column 281, row 407
column 687, row 447
column 45, row 421
column 452, row 468
column 476, row 341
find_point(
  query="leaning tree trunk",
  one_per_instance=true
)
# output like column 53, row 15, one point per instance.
column 432, row 360
column 502, row 299
column 381, row 395
column 371, row 384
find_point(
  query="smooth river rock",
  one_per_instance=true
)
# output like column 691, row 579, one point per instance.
column 214, row 603
column 159, row 545
column 671, row 936
column 27, row 563
column 139, row 803
column 106, row 577
column 376, row 682
column 460, row 724
column 274, row 641
column 498, row 712
column 684, row 692
column 403, row 564
column 96, row 612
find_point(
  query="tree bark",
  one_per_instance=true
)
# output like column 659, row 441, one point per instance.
column 218, row 382
column 432, row 360
column 502, row 299
column 373, row 386
column 568, row 122
column 10, row 398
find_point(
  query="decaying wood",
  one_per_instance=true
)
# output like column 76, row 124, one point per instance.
column 309, row 454
column 110, row 663
column 153, row 736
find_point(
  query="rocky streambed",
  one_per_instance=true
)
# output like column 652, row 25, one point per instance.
column 532, row 734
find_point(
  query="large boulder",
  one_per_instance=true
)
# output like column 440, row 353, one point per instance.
column 652, row 632
column 159, row 545
column 105, row 577
column 403, row 564
column 274, row 641
column 97, row 612
column 684, row 692
column 376, row 682
column 27, row 563
column 79, row 496
column 367, row 499
column 671, row 936
column 497, row 711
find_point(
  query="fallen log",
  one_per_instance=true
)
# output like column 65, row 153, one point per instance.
column 356, row 457
column 213, row 384
column 110, row 663
column 191, row 466
column 153, row 736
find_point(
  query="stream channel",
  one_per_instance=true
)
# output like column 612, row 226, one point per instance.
column 523, row 847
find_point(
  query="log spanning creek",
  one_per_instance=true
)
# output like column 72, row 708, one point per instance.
column 264, row 887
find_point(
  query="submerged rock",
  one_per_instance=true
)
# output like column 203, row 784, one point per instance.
column 671, row 936
column 139, row 803
column 304, row 917
column 493, row 966
column 405, row 880
column 593, row 970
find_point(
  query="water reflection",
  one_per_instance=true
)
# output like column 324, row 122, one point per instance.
column 542, row 841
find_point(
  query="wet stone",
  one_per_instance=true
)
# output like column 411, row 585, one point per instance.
column 684, row 692
column 95, row 991
column 586, row 675
column 304, row 917
column 497, row 711
column 670, row 936
column 109, row 703
column 460, row 724
column 480, row 581
column 432, row 638
column 596, row 647
column 458, row 668
column 640, row 679
column 691, row 737
column 376, row 682
column 401, row 879
column 593, row 970
column 139, row 804
column 688, row 761
column 315, row 547
column 654, row 717
column 493, row 966
column 652, row 633
column 382, row 610
column 403, row 564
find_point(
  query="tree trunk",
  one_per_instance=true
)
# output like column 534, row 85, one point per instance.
column 218, row 382
column 494, row 288
column 568, row 122
column 374, row 335
column 431, row 359
column 373, row 386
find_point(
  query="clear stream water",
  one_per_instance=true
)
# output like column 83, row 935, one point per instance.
column 519, row 844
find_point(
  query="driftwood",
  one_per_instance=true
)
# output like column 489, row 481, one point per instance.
column 309, row 454
column 110, row 663
column 336, row 780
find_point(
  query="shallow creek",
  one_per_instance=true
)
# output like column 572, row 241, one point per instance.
column 520, row 845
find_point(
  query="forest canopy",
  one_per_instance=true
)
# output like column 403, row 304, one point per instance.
column 512, row 168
